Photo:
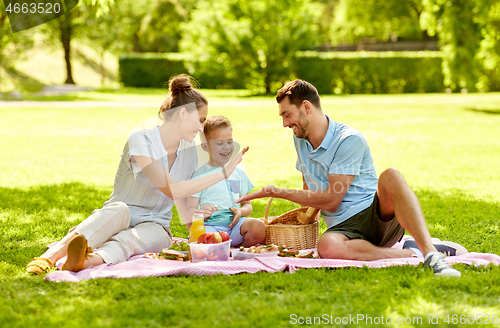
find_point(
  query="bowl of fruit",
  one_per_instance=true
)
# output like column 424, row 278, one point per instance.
column 212, row 246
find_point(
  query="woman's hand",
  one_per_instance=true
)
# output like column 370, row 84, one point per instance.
column 208, row 210
column 236, row 216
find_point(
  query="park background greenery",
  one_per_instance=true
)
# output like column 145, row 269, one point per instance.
column 61, row 157
column 254, row 44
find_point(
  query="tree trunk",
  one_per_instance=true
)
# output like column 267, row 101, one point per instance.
column 137, row 46
column 267, row 83
column 66, row 31
column 103, row 77
column 425, row 36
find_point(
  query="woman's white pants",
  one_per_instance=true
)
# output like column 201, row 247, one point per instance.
column 108, row 228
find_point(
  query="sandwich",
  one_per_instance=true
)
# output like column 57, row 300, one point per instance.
column 170, row 254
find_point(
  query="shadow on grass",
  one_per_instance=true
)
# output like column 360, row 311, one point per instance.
column 92, row 64
column 32, row 218
column 23, row 81
column 493, row 111
column 450, row 216
column 263, row 299
column 455, row 216
column 74, row 197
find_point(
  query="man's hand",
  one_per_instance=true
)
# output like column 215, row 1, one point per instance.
column 208, row 210
column 329, row 199
column 267, row 191
column 236, row 215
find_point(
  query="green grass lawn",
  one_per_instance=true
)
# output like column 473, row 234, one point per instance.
column 59, row 164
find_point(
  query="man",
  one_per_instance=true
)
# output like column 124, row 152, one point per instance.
column 365, row 215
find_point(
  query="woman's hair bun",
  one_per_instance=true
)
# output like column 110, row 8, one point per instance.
column 182, row 91
column 179, row 83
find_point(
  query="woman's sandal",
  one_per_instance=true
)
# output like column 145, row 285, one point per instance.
column 39, row 265
column 77, row 253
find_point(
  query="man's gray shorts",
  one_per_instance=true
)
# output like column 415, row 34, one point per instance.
column 367, row 225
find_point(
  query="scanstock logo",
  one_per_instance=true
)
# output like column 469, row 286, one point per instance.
column 25, row 14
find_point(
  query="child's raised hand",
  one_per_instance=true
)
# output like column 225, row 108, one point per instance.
column 236, row 215
column 208, row 210
column 234, row 162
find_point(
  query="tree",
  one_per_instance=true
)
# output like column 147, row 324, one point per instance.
column 60, row 32
column 161, row 27
column 251, row 41
column 122, row 23
column 469, row 35
column 13, row 46
column 66, row 31
column 326, row 20
column 68, row 26
column 489, row 53
column 358, row 19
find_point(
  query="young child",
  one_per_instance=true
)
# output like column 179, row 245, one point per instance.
column 217, row 202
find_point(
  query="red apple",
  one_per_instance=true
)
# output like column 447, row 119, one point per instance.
column 213, row 238
column 212, row 256
column 201, row 239
column 222, row 255
column 199, row 254
column 217, row 254
column 224, row 236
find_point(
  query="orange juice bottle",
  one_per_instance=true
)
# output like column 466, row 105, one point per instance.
column 197, row 227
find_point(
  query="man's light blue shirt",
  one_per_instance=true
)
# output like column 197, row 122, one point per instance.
column 222, row 194
column 343, row 151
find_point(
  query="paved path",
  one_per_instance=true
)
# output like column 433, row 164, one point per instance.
column 88, row 104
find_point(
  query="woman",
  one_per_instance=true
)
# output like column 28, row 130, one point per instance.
column 154, row 171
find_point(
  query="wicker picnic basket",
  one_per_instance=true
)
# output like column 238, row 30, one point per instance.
column 285, row 230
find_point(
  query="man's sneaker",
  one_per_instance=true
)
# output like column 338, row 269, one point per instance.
column 448, row 248
column 438, row 264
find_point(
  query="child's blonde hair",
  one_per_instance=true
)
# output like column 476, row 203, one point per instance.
column 215, row 122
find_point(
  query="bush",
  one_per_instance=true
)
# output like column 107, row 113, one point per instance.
column 330, row 72
column 149, row 70
column 490, row 80
column 372, row 72
column 152, row 70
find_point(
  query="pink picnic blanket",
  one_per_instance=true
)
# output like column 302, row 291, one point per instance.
column 141, row 266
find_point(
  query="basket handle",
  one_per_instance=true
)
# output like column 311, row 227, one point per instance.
column 266, row 218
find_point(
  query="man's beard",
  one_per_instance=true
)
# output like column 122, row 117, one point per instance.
column 304, row 124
